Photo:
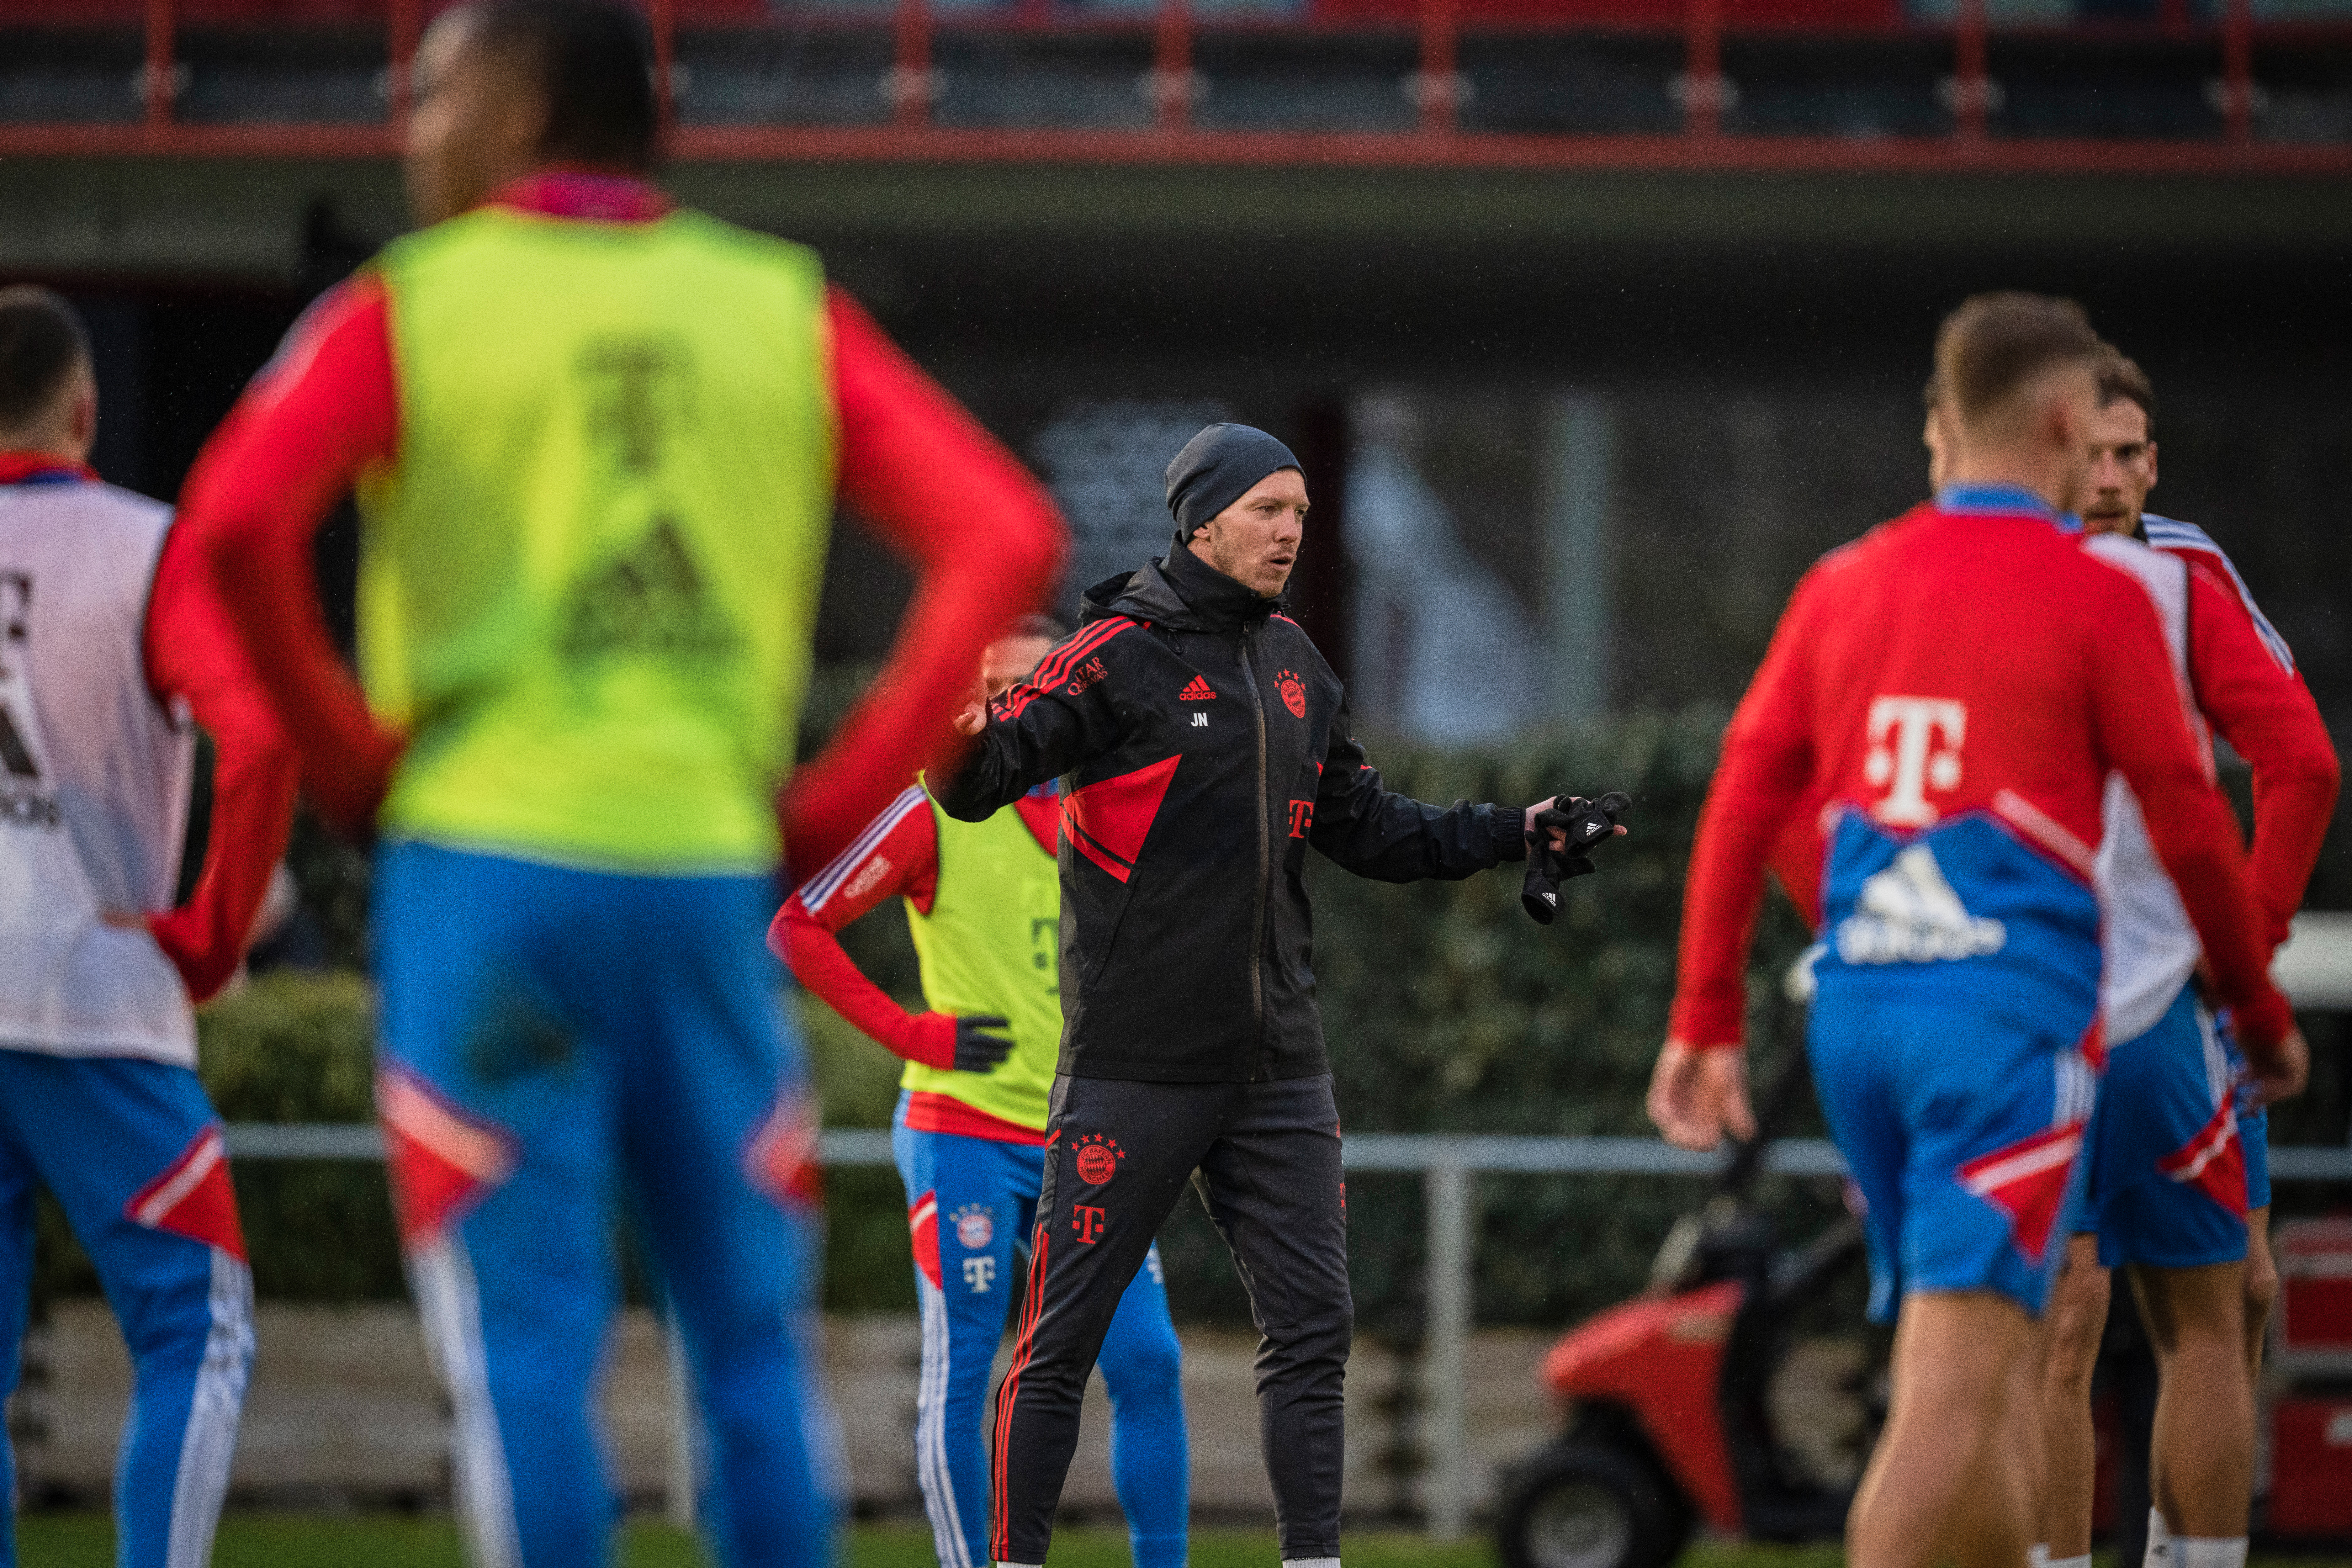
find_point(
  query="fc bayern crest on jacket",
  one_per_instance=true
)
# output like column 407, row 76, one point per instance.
column 1293, row 692
column 1098, row 1159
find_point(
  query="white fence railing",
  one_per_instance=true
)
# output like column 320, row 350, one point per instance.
column 2315, row 968
column 1448, row 1164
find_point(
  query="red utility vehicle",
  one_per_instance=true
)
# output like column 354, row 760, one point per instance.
column 1669, row 1420
column 1669, row 1415
column 2308, row 1407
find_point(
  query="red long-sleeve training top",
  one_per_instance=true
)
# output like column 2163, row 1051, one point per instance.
column 2243, row 679
column 1971, row 662
column 983, row 539
column 193, row 654
column 898, row 856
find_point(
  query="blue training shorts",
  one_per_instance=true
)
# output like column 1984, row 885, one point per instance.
column 1961, row 1130
column 2167, row 1151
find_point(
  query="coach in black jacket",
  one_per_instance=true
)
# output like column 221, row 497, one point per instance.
column 1203, row 745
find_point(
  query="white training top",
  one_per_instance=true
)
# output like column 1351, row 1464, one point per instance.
column 94, row 780
column 2149, row 947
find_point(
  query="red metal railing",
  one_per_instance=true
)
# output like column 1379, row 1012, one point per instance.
column 402, row 27
column 1437, row 88
column 1971, row 81
column 2237, row 70
column 158, row 79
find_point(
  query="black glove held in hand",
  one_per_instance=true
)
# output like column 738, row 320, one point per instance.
column 1589, row 824
column 978, row 1050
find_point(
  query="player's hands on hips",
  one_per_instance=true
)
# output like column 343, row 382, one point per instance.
column 1696, row 1096
column 2279, row 1074
column 351, row 797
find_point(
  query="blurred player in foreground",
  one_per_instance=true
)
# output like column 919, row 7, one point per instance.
column 1205, row 746
column 1957, row 685
column 111, row 651
column 596, row 441
column 2177, row 1179
column 984, row 902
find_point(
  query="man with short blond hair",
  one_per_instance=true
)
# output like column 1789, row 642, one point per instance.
column 1957, row 685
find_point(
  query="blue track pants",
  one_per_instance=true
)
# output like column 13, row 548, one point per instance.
column 559, row 1046
column 969, row 1202
column 133, row 1153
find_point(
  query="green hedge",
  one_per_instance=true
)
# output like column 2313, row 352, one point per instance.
column 288, row 1047
column 1448, row 1010
column 1445, row 1008
column 298, row 1047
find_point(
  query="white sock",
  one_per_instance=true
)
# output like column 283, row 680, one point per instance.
column 2038, row 1556
column 2209, row 1552
column 1020, row 1565
column 1310, row 1563
column 2159, row 1542
column 2082, row 1562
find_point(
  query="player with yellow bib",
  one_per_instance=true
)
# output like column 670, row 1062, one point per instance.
column 985, row 905
column 597, row 442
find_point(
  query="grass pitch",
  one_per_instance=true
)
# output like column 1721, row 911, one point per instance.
column 304, row 1541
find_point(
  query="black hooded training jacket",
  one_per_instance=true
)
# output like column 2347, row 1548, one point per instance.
column 1202, row 744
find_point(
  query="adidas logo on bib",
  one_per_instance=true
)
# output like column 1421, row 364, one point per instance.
column 1910, row 913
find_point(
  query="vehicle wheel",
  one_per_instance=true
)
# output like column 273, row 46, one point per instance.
column 1581, row 1505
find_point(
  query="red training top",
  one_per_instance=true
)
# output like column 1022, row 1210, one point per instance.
column 2244, row 682
column 1973, row 660
column 897, row 856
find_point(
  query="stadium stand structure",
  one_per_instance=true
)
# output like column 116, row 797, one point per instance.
column 2106, row 86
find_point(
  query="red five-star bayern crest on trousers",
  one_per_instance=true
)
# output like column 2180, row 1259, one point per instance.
column 1098, row 1159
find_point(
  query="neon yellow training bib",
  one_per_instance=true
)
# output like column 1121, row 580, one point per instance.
column 588, row 583
column 992, row 943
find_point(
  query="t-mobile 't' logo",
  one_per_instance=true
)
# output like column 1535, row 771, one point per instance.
column 978, row 1273
column 1905, row 759
column 1087, row 1222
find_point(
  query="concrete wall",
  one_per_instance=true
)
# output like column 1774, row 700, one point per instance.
column 343, row 1412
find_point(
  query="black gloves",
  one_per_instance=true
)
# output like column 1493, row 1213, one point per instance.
column 1589, row 824
column 978, row 1050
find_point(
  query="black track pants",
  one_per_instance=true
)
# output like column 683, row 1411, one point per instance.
column 1266, row 1158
